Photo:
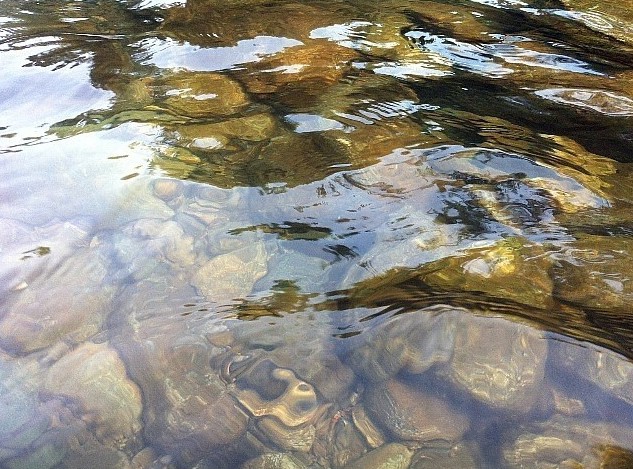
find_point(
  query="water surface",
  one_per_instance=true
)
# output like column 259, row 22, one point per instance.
column 341, row 234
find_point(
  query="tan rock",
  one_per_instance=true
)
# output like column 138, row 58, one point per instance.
column 346, row 443
column 411, row 342
column 231, row 276
column 46, row 456
column 610, row 17
column 176, row 162
column 167, row 189
column 499, row 362
column 85, row 452
column 94, row 376
column 188, row 411
column 217, row 136
column 304, row 346
column 289, row 19
column 68, row 304
column 412, row 414
column 594, row 273
column 568, row 443
column 299, row 74
column 461, row 455
column 274, row 461
column 599, row 366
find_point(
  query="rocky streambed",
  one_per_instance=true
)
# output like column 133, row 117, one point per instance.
column 315, row 235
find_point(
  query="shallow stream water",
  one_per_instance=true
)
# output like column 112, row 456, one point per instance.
column 316, row 234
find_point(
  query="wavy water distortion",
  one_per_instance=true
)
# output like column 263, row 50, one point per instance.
column 345, row 234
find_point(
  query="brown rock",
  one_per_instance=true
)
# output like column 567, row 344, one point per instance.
column 609, row 17
column 202, row 94
column 594, row 273
column 510, row 269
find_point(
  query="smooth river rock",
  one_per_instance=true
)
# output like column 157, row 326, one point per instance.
column 461, row 456
column 274, row 461
column 199, row 95
column 498, row 362
column 411, row 342
column 594, row 273
column 68, row 304
column 95, row 378
column 511, row 269
column 411, row 414
column 569, row 443
column 389, row 456
column 232, row 275
column 596, row 366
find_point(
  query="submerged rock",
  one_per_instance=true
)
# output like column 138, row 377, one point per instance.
column 95, row 378
column 411, row 414
column 461, row 456
column 366, row 427
column 498, row 362
column 232, row 275
column 510, row 269
column 150, row 244
column 167, row 189
column 274, row 461
column 376, row 119
column 411, row 342
column 598, row 366
column 309, row 69
column 188, row 411
column 604, row 102
column 594, row 273
column 200, row 95
column 301, row 342
column 346, row 443
column 567, row 442
column 217, row 135
column 610, row 17
column 287, row 419
column 45, row 456
column 287, row 405
column 389, row 456
column 85, row 451
column 24, row 419
column 68, row 304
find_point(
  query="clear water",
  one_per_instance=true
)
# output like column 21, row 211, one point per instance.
column 251, row 234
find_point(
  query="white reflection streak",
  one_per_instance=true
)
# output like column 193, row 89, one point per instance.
column 173, row 54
